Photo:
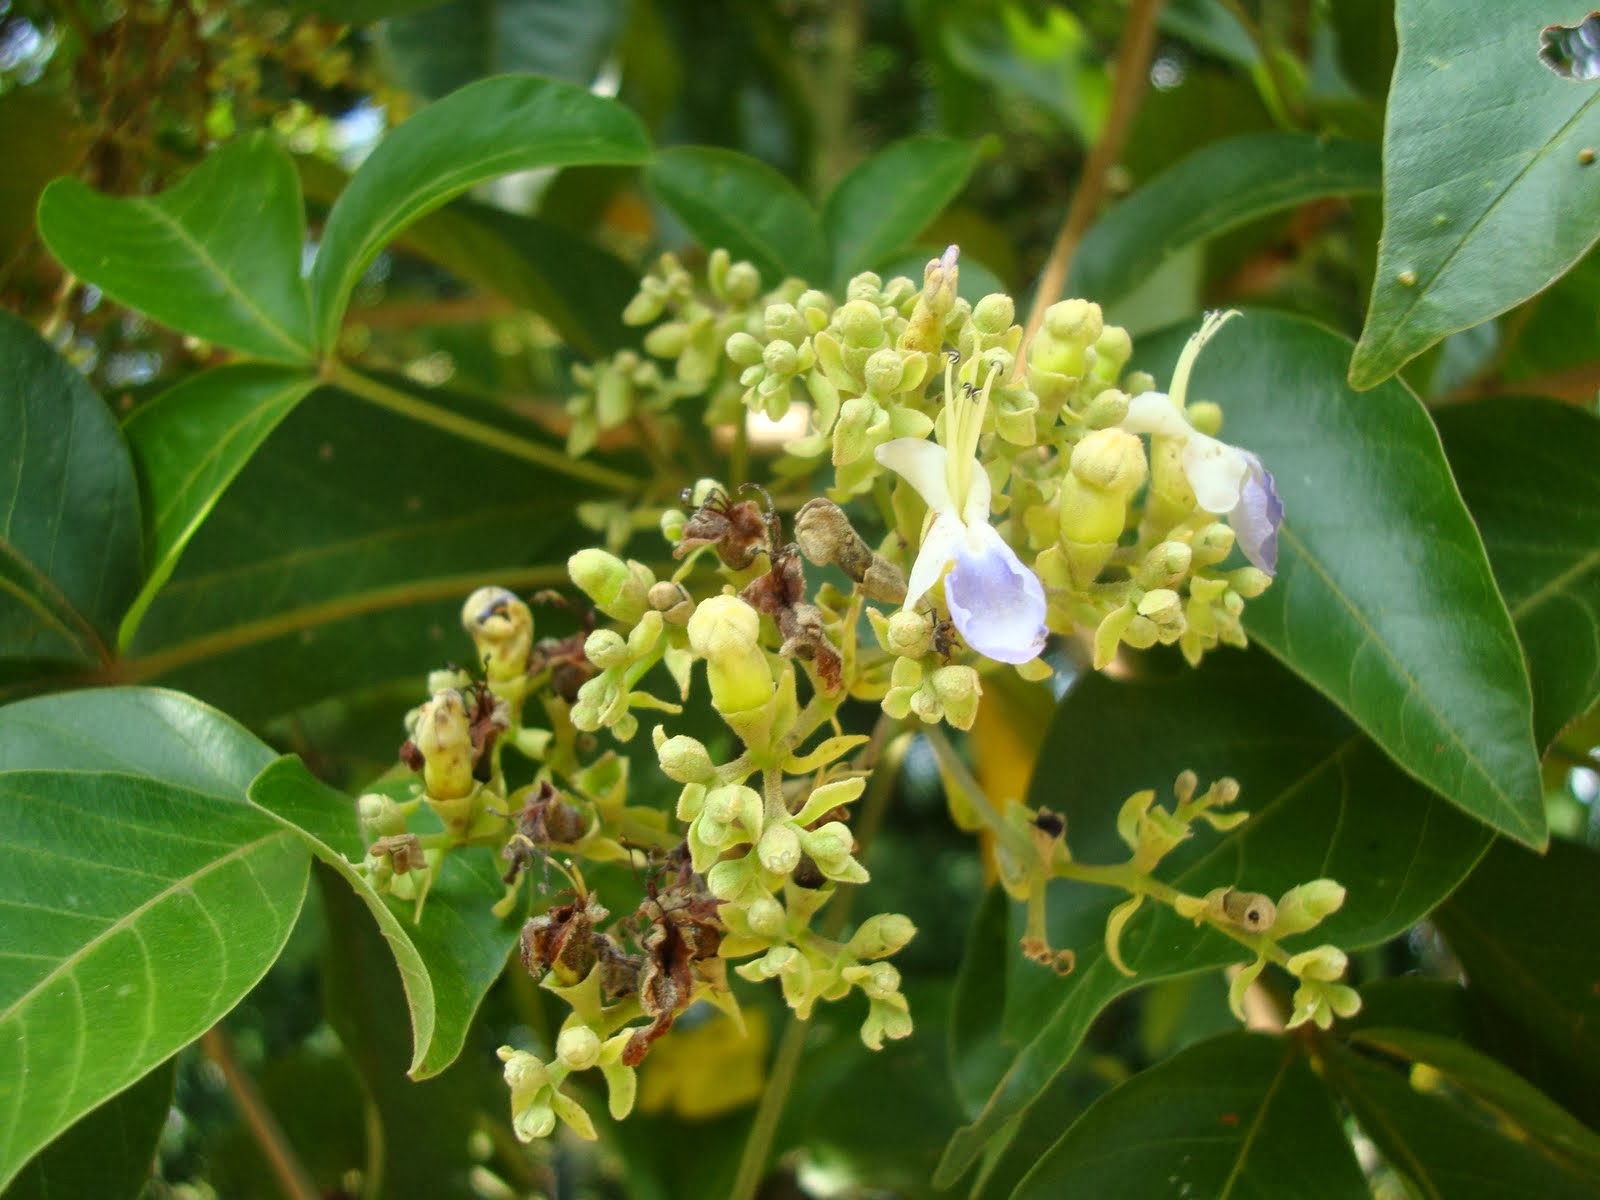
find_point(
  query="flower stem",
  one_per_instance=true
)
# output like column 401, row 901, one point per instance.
column 469, row 429
column 1132, row 69
column 293, row 1179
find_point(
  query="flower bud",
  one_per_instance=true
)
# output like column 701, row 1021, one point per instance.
column 1165, row 565
column 766, row 918
column 724, row 631
column 684, row 759
column 994, row 314
column 444, row 737
column 829, row 844
column 1112, row 350
column 1163, row 606
column 1325, row 964
column 779, row 849
column 501, row 627
column 1212, row 544
column 878, row 980
column 1304, row 907
column 742, row 283
column 881, row 936
column 734, row 803
column 1205, row 417
column 958, row 690
column 908, row 633
column 617, row 588
column 781, row 358
column 1015, row 410
column 1111, row 460
column 860, row 325
column 1249, row 582
column 606, row 648
column 671, row 600
column 743, row 349
column 672, row 522
column 1108, row 409
column 380, row 816
column 664, row 341
column 578, row 1048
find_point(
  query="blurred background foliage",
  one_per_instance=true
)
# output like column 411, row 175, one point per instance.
column 130, row 95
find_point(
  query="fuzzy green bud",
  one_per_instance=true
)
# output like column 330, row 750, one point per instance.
column 1249, row 582
column 578, row 1048
column 859, row 324
column 1212, row 544
column 994, row 313
column 735, row 804
column 1205, row 416
column 781, row 358
column 684, row 759
column 885, row 371
column 779, row 849
column 881, row 936
column 380, row 816
column 1324, row 964
column 618, row 589
column 742, row 283
column 1165, row 565
column 958, row 690
column 1112, row 460
column 725, row 631
column 909, row 634
column 1304, row 907
column 766, row 917
column 1163, row 606
column 743, row 349
column 1108, row 409
column 606, row 648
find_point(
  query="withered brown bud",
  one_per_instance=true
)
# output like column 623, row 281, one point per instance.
column 563, row 940
column 403, row 850
column 826, row 536
column 738, row 530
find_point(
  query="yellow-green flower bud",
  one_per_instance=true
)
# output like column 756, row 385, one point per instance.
column 742, row 283
column 618, row 589
column 1205, row 416
column 671, row 600
column 1212, row 544
column 958, row 690
column 1165, row 565
column 779, row 849
column 859, row 324
column 994, row 313
column 1108, row 409
column 1249, row 582
column 881, row 936
column 444, row 737
column 1112, row 350
column 1015, row 413
column 766, row 918
column 1304, row 907
column 672, row 522
column 725, row 631
column 1164, row 607
column 829, row 844
column 664, row 341
column 1324, row 964
column 781, row 358
column 1112, row 460
column 606, row 648
column 578, row 1048
column 909, row 633
column 885, row 371
column 735, row 804
column 501, row 627
column 743, row 349
column 380, row 816
column 1071, row 327
column 878, row 980
column 684, row 759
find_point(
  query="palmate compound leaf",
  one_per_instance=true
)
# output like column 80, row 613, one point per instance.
column 489, row 128
column 1238, row 1116
column 1324, row 801
column 142, row 897
column 216, row 255
column 69, row 514
column 448, row 959
column 1526, row 469
column 1384, row 598
column 1489, row 195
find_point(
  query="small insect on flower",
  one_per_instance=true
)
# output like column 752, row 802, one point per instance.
column 738, row 530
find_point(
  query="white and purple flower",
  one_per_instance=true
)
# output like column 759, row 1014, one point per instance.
column 1226, row 480
column 996, row 602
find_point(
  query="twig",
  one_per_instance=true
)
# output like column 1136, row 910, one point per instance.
column 1132, row 68
column 293, row 1178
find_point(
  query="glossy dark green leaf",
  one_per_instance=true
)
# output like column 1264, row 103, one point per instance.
column 730, row 200
column 446, row 46
column 1525, row 469
column 1241, row 1115
column 216, row 255
column 69, row 512
column 889, row 199
column 1384, row 598
column 339, row 559
column 1324, row 801
column 978, row 1051
column 1443, row 1146
column 1520, row 1109
column 1217, row 188
column 1486, row 198
column 493, row 127
column 106, row 1154
column 143, row 902
column 1524, row 928
column 189, row 444
column 423, row 1129
column 447, row 960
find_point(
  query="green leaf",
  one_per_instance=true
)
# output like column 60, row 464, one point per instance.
column 1217, row 188
column 1324, row 801
column 340, row 557
column 142, row 906
column 1486, row 200
column 190, row 443
column 1515, row 1105
column 1384, row 598
column 1443, row 1146
column 216, row 255
column 69, row 513
column 448, row 46
column 890, row 198
column 424, row 1129
column 1527, row 940
column 978, row 1052
column 1240, row 1115
column 447, row 960
column 730, row 200
column 106, row 1154
column 1525, row 469
column 493, row 127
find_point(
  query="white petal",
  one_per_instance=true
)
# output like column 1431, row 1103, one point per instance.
column 975, row 512
column 921, row 463
column 1154, row 412
column 1216, row 472
column 939, row 545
